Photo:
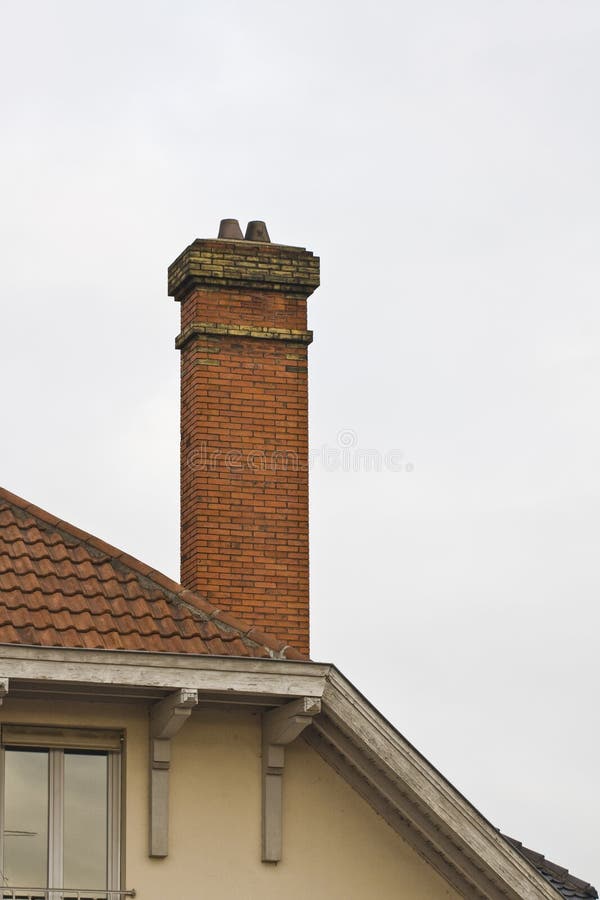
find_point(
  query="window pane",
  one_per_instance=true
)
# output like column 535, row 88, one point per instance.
column 26, row 818
column 85, row 820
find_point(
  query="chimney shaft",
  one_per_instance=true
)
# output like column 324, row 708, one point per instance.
column 244, row 429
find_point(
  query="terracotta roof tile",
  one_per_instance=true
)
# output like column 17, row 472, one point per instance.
column 567, row 885
column 62, row 587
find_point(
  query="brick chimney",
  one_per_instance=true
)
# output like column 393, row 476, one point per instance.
column 244, row 425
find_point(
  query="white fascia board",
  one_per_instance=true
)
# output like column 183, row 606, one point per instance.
column 235, row 676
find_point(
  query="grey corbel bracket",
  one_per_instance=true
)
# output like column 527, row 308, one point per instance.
column 280, row 727
column 167, row 717
column 3, row 688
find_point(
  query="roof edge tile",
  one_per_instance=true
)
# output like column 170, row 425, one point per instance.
column 547, row 868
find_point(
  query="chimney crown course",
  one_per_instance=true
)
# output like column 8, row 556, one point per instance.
column 224, row 264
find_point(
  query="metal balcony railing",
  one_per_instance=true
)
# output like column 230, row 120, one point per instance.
column 34, row 893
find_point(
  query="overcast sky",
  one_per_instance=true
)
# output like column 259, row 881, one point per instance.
column 442, row 159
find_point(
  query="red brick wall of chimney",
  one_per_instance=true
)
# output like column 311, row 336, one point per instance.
column 244, row 429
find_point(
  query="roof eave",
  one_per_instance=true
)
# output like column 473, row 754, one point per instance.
column 355, row 738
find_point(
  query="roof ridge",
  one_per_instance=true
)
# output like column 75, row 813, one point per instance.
column 195, row 602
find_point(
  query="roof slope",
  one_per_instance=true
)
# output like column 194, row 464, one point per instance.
column 62, row 587
column 560, row 878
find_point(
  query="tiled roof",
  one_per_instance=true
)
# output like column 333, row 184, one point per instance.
column 561, row 879
column 62, row 587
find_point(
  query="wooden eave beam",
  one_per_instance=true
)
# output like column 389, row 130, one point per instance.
column 375, row 740
column 384, row 807
column 444, row 848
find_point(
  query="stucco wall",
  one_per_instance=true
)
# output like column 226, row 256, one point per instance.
column 334, row 847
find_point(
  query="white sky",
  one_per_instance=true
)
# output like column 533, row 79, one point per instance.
column 442, row 159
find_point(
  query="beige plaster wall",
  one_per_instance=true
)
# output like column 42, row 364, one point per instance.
column 335, row 846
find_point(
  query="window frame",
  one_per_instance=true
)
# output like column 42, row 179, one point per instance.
column 56, row 741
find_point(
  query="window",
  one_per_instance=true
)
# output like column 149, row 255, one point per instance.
column 60, row 812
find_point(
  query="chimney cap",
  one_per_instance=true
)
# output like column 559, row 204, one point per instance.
column 229, row 230
column 257, row 231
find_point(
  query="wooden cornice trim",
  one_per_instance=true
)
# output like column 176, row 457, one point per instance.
column 233, row 676
column 378, row 789
column 406, row 768
column 386, row 809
